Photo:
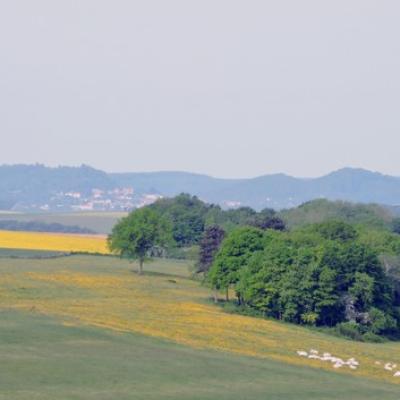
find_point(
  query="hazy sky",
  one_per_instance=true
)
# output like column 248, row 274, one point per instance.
column 229, row 88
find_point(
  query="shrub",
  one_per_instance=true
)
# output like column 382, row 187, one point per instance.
column 351, row 330
column 372, row 338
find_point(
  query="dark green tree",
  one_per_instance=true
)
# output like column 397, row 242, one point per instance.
column 209, row 245
column 396, row 225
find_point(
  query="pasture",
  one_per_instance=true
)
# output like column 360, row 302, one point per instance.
column 99, row 330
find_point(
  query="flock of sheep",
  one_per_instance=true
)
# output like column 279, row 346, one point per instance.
column 337, row 362
column 351, row 363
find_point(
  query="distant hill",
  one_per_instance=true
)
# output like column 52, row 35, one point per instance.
column 32, row 187
column 276, row 191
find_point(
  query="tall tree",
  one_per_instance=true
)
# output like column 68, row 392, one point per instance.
column 135, row 235
column 209, row 245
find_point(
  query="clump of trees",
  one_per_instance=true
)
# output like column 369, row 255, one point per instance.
column 178, row 223
column 190, row 218
column 322, row 276
column 321, row 210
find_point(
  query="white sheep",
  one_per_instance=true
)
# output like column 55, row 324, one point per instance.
column 388, row 367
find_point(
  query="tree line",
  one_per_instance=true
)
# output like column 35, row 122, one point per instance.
column 329, row 274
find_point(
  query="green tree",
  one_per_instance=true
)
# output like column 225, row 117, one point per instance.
column 235, row 251
column 135, row 235
column 362, row 290
column 267, row 219
column 187, row 215
column 336, row 230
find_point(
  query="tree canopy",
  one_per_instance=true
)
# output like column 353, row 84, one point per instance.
column 235, row 252
column 138, row 233
column 190, row 217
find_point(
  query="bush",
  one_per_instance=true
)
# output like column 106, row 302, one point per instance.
column 372, row 338
column 350, row 330
column 309, row 318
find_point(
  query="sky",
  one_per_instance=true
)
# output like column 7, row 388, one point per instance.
column 223, row 87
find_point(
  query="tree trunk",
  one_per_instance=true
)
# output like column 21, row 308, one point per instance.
column 227, row 294
column 140, row 272
column 215, row 294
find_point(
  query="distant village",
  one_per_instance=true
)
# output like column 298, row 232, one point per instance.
column 118, row 199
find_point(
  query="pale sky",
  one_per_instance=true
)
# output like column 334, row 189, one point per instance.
column 223, row 87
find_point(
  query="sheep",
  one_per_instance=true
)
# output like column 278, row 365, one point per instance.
column 388, row 367
column 352, row 361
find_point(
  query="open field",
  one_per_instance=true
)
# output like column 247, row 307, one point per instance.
column 99, row 222
column 54, row 242
column 42, row 359
column 164, row 304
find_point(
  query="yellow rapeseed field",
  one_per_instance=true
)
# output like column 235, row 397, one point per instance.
column 53, row 242
column 175, row 309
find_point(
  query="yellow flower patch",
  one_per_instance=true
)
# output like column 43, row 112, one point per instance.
column 53, row 242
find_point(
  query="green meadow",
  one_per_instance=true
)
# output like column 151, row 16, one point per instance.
column 85, row 327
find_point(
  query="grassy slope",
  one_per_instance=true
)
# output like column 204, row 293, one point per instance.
column 45, row 360
column 163, row 304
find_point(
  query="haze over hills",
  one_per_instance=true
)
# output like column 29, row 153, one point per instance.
column 41, row 188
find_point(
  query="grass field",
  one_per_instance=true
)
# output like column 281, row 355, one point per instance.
column 42, row 359
column 83, row 292
column 99, row 222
